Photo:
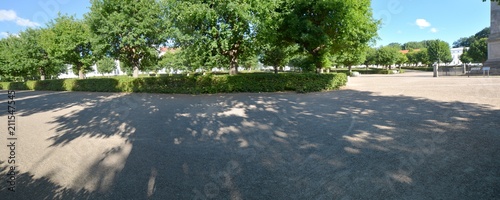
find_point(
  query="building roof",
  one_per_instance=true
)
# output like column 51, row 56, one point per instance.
column 407, row 51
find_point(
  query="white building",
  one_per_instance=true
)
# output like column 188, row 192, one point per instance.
column 455, row 54
column 69, row 72
column 117, row 72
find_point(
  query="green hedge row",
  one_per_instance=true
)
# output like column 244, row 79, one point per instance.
column 191, row 84
column 428, row 69
column 369, row 71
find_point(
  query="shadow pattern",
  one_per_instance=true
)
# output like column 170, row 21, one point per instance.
column 335, row 145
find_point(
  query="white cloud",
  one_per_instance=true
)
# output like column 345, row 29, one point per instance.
column 422, row 23
column 10, row 15
column 26, row 22
column 4, row 34
column 7, row 15
column 434, row 30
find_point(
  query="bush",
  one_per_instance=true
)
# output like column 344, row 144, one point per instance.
column 428, row 69
column 369, row 71
column 258, row 82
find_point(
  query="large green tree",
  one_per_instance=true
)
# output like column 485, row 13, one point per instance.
column 325, row 28
column 24, row 56
column 128, row 30
column 387, row 56
column 219, row 32
column 467, row 41
column 465, row 58
column 277, row 55
column 68, row 40
column 106, row 65
column 401, row 59
column 352, row 56
column 11, row 50
column 36, row 58
column 371, row 57
column 439, row 51
column 478, row 51
column 423, row 56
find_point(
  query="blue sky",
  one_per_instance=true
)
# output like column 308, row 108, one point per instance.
column 403, row 20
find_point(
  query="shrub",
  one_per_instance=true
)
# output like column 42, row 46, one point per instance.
column 428, row 69
column 258, row 82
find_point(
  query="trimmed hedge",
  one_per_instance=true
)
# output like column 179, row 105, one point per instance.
column 191, row 84
column 427, row 69
column 369, row 71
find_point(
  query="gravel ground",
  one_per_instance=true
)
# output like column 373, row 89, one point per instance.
column 407, row 136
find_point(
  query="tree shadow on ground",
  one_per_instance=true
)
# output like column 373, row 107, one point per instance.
column 335, row 145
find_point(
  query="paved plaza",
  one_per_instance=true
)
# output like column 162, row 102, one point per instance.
column 405, row 136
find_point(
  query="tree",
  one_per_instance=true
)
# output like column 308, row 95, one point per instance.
column 277, row 56
column 438, row 51
column 23, row 56
column 396, row 45
column 423, row 57
column 250, row 63
column 128, row 30
column 465, row 58
column 387, row 56
column 467, row 41
column 412, row 57
column 463, row 42
column 68, row 40
column 352, row 56
column 218, row 32
column 275, row 50
column 413, row 45
column 371, row 57
column 485, row 33
column 325, row 28
column 36, row 58
column 478, row 51
column 106, row 65
column 401, row 59
column 11, row 51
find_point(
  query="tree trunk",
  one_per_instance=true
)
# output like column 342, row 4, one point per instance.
column 436, row 70
column 136, row 72
column 350, row 69
column 81, row 75
column 276, row 69
column 233, row 65
column 42, row 74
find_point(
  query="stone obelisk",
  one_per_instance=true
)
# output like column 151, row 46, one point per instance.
column 494, row 40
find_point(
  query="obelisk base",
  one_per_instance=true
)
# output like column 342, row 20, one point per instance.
column 494, row 41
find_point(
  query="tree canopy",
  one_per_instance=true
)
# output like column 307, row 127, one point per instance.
column 478, row 51
column 387, row 56
column 68, row 40
column 439, row 51
column 467, row 41
column 106, row 65
column 218, row 32
column 325, row 28
column 22, row 55
column 128, row 30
